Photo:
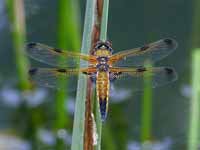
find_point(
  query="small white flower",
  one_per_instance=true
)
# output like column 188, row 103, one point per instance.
column 10, row 97
column 119, row 95
column 36, row 97
column 186, row 91
column 70, row 105
column 9, row 142
column 46, row 136
column 149, row 145
column 63, row 134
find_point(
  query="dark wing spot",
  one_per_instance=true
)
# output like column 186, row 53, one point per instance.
column 141, row 69
column 144, row 48
column 169, row 70
column 61, row 70
column 33, row 71
column 168, row 41
column 171, row 43
column 58, row 50
column 31, row 45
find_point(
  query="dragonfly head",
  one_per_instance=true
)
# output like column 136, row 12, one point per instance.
column 101, row 45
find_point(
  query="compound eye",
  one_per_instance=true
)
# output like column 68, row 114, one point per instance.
column 108, row 43
column 98, row 45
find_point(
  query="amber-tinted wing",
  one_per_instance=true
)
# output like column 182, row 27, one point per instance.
column 133, row 78
column 56, row 57
column 50, row 77
column 151, row 52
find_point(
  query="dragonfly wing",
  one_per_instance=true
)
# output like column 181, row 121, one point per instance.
column 49, row 77
column 151, row 52
column 54, row 56
column 133, row 78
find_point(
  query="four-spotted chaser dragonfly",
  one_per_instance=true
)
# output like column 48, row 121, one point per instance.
column 103, row 67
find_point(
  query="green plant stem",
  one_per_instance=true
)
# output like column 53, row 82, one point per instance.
column 79, row 116
column 68, row 25
column 16, row 13
column 17, row 18
column 194, row 127
column 68, row 39
column 104, row 21
column 146, row 118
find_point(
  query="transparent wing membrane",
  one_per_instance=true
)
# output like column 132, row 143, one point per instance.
column 124, row 79
column 49, row 77
column 133, row 78
column 151, row 52
column 56, row 57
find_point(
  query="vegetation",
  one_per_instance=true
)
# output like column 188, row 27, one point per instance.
column 138, row 122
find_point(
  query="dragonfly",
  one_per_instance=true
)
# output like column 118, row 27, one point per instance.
column 103, row 67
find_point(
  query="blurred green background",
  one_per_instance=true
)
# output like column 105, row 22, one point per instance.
column 30, row 123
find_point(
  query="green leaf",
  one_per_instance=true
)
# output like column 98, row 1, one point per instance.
column 79, row 116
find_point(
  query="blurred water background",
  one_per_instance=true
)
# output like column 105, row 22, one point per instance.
column 27, row 119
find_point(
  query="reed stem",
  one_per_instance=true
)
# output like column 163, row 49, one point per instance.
column 194, row 127
column 17, row 18
column 103, row 37
column 104, row 21
column 68, row 39
column 79, row 116
column 146, row 119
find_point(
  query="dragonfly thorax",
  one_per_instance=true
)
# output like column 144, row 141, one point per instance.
column 102, row 60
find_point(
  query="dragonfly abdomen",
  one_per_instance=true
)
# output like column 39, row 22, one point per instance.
column 102, row 87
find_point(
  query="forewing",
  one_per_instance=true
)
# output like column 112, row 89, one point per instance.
column 133, row 78
column 151, row 52
column 56, row 57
